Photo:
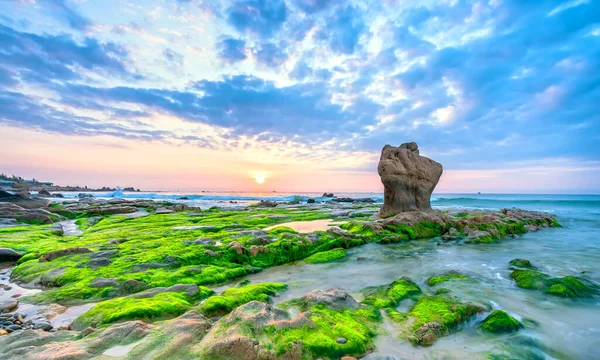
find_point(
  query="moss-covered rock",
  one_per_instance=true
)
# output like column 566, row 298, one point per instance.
column 326, row 256
column 447, row 276
column 521, row 263
column 257, row 330
column 151, row 306
column 500, row 322
column 385, row 296
column 568, row 286
column 233, row 297
column 435, row 316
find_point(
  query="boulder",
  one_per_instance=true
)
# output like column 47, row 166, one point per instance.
column 327, row 195
column 100, row 283
column 408, row 179
column 44, row 193
column 25, row 202
column 51, row 255
column 9, row 255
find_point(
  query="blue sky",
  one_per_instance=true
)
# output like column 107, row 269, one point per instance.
column 504, row 93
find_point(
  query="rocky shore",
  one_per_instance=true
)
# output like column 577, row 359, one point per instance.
column 144, row 262
column 157, row 280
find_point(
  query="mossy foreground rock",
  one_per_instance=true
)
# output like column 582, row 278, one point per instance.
column 568, row 286
column 500, row 322
column 234, row 297
column 447, row 276
column 386, row 296
column 435, row 316
column 259, row 331
column 150, row 305
column 326, row 256
column 521, row 263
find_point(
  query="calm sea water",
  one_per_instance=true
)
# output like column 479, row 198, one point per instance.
column 565, row 329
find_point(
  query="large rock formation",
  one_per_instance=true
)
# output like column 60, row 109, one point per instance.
column 408, row 179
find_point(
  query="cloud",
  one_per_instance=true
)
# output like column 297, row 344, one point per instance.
column 231, row 50
column 257, row 17
column 313, row 6
column 173, row 57
column 271, row 55
column 42, row 58
column 64, row 11
column 343, row 30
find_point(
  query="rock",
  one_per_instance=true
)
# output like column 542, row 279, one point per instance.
column 189, row 290
column 408, row 179
column 146, row 266
column 204, row 241
column 267, row 203
column 85, row 196
column 348, row 358
column 43, row 325
column 133, row 286
column 228, row 339
column 52, row 310
column 44, row 192
column 183, row 198
column 311, row 201
column 100, row 283
column 51, row 255
column 327, row 195
column 9, row 255
column 210, row 253
column 427, row 334
column 452, row 234
column 500, row 322
column 341, row 340
column 163, row 210
column 24, row 202
column 334, row 298
column 99, row 262
column 112, row 210
column 8, row 305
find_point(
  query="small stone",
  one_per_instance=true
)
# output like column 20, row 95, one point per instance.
column 43, row 325
column 13, row 327
column 3, row 332
column 8, row 287
column 9, row 305
column 341, row 340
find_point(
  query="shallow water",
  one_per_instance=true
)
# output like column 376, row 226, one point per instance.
column 565, row 328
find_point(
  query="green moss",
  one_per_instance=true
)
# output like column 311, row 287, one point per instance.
column 529, row 279
column 281, row 230
column 446, row 312
column 326, row 256
column 386, row 296
column 500, row 322
column 521, row 263
column 568, row 286
column 159, row 307
column 395, row 315
column 447, row 276
column 329, row 325
column 233, row 297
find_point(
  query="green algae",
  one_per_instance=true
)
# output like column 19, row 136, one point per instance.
column 447, row 276
column 320, row 339
column 521, row 263
column 386, row 296
column 161, row 306
column 500, row 322
column 443, row 311
column 529, row 279
column 233, row 297
column 568, row 286
column 326, row 256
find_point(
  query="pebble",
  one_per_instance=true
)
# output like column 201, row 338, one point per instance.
column 341, row 340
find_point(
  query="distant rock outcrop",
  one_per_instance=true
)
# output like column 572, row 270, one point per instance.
column 408, row 179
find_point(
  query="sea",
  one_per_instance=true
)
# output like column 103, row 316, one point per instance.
column 556, row 328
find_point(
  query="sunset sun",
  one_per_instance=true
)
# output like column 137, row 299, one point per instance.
column 259, row 178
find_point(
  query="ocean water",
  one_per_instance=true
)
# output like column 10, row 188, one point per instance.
column 558, row 328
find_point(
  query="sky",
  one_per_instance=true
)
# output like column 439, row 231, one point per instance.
column 301, row 94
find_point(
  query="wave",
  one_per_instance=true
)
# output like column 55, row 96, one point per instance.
column 593, row 203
